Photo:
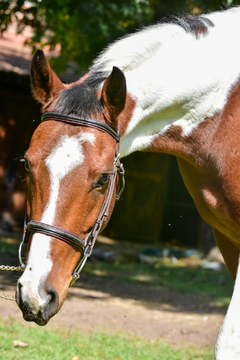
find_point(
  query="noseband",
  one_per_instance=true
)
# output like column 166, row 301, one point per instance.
column 84, row 245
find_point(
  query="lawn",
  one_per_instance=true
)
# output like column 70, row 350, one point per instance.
column 59, row 344
column 71, row 345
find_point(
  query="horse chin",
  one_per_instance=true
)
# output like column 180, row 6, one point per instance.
column 39, row 320
column 38, row 313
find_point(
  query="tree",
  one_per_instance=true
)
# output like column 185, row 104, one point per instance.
column 84, row 28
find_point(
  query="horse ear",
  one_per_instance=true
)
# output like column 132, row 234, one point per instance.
column 45, row 83
column 113, row 94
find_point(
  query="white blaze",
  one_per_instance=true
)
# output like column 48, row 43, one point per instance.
column 67, row 155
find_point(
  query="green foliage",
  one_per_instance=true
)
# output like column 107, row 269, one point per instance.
column 65, row 345
column 84, row 28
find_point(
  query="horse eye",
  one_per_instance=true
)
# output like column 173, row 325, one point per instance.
column 101, row 182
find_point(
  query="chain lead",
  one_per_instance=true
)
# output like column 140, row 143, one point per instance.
column 10, row 268
column 7, row 297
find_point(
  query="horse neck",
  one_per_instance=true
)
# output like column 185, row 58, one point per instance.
column 181, row 82
column 175, row 122
column 209, row 139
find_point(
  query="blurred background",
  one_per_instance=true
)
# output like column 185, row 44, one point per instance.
column 155, row 207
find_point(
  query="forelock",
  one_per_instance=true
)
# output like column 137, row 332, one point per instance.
column 80, row 100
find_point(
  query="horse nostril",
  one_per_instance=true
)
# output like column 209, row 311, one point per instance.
column 54, row 297
column 18, row 294
column 53, row 293
column 53, row 304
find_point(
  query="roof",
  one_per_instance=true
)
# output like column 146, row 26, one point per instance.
column 16, row 57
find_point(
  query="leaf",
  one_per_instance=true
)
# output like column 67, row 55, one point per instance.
column 19, row 343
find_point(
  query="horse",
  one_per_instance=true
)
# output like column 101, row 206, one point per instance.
column 173, row 87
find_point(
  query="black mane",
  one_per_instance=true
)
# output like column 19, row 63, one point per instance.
column 80, row 100
column 191, row 24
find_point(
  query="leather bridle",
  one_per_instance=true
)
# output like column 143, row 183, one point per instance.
column 84, row 245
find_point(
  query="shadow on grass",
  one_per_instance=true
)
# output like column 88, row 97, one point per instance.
column 179, row 292
column 164, row 286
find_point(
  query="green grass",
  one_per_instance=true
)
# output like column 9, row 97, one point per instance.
column 47, row 344
column 190, row 278
column 181, row 276
column 187, row 278
column 65, row 345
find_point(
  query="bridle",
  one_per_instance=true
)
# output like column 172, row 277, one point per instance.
column 84, row 245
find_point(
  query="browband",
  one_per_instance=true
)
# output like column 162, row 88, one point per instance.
column 75, row 120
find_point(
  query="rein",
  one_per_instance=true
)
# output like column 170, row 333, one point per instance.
column 84, row 245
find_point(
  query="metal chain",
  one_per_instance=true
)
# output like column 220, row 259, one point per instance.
column 9, row 268
column 7, row 297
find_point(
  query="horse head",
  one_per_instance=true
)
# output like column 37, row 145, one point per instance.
column 70, row 168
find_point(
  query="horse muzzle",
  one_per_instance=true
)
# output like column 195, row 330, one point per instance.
column 36, row 308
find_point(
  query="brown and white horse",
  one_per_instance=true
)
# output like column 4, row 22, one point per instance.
column 174, row 88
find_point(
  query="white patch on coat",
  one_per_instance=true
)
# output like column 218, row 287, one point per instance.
column 174, row 77
column 64, row 158
column 67, row 155
column 227, row 345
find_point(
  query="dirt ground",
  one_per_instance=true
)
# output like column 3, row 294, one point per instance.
column 98, row 303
